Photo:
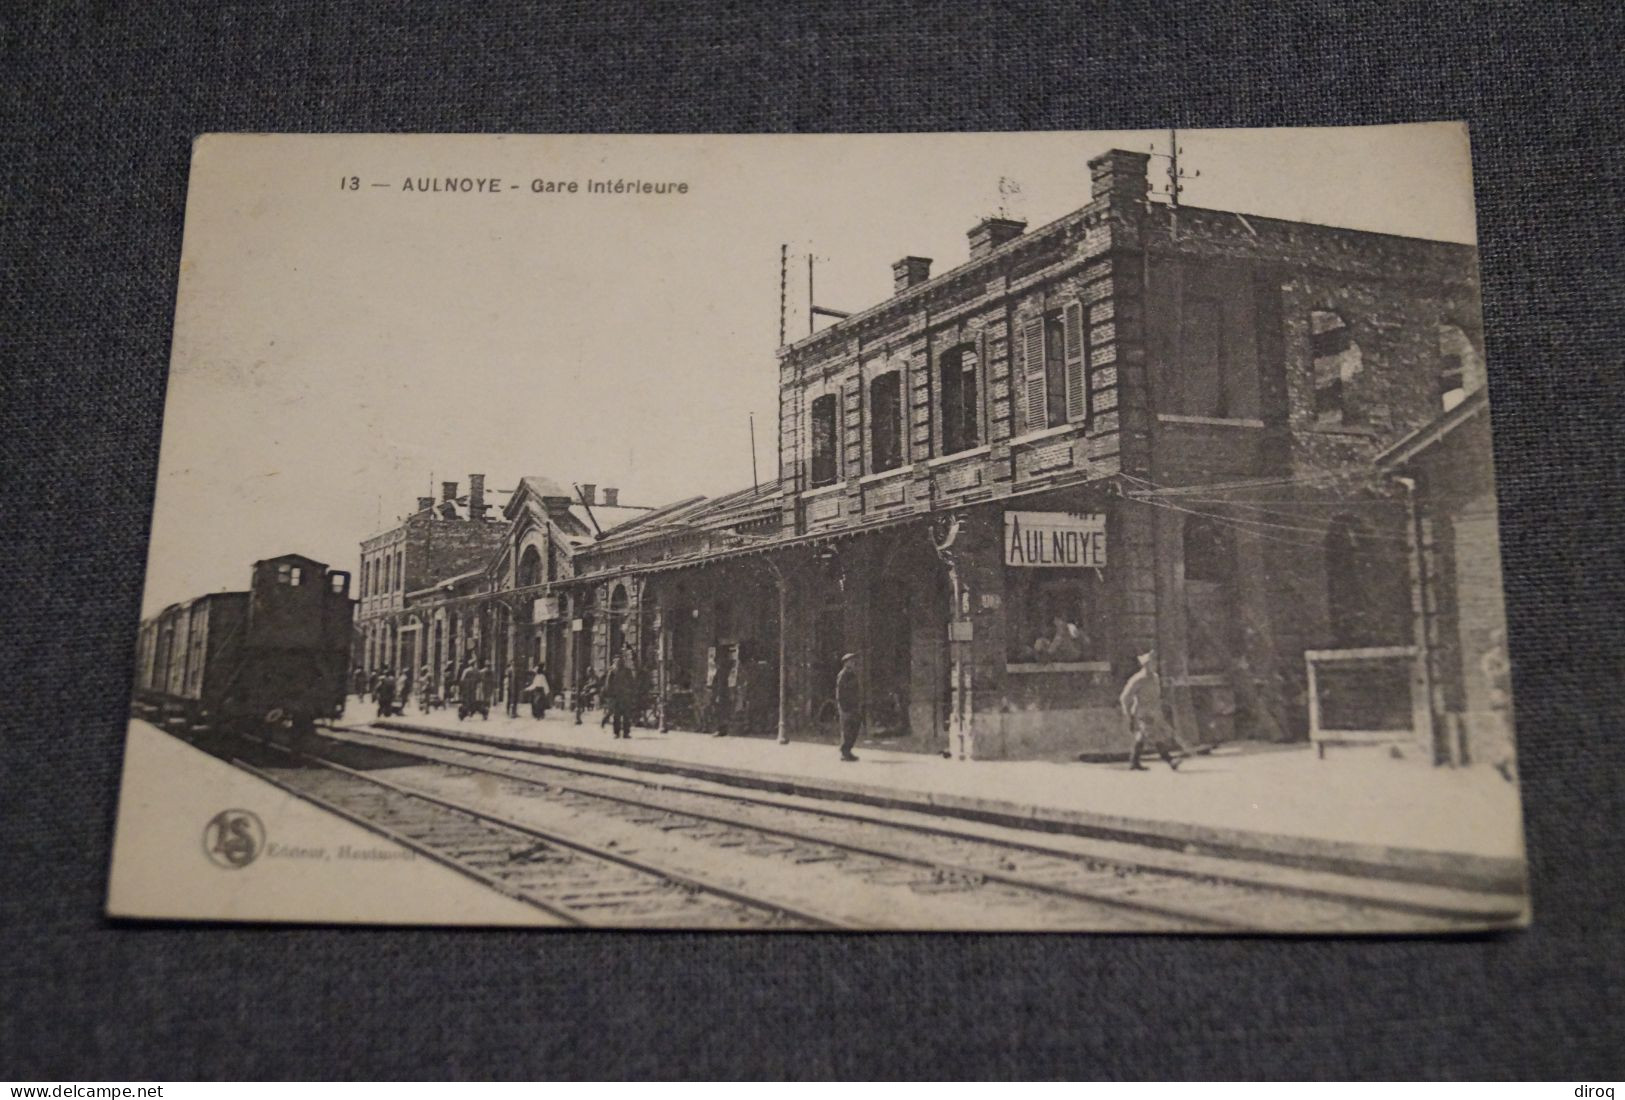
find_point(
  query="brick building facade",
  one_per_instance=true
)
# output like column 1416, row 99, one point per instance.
column 1132, row 427
column 409, row 566
column 1459, row 595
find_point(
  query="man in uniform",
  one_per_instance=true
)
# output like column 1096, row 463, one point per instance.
column 1142, row 706
column 849, row 704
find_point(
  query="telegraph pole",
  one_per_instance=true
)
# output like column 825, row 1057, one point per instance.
column 1175, row 176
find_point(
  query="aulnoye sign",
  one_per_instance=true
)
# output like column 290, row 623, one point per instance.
column 1056, row 540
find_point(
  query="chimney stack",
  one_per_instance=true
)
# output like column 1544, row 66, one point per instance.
column 425, row 503
column 1119, row 175
column 990, row 233
column 589, row 492
column 611, row 497
column 476, row 497
column 910, row 271
column 448, row 490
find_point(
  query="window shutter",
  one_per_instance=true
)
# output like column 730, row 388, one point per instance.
column 1077, row 393
column 976, row 401
column 1032, row 366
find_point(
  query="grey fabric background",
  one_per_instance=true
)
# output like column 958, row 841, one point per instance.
column 100, row 103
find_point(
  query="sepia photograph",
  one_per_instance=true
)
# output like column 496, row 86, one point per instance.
column 1062, row 531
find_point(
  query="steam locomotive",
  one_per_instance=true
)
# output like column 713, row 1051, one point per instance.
column 273, row 655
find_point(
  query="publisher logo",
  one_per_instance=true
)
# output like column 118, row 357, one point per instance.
column 233, row 838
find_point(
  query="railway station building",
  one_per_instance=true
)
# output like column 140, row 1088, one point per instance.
column 439, row 548
column 547, row 526
column 1135, row 427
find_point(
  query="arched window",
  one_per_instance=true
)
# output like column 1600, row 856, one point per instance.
column 530, row 567
column 959, row 403
column 1461, row 368
column 886, row 421
column 1337, row 362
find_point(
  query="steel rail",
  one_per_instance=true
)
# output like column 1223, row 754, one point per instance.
column 961, row 870
column 683, row 879
column 453, row 743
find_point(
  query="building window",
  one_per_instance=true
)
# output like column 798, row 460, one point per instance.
column 1367, row 586
column 1054, row 360
column 530, row 567
column 1206, row 552
column 1054, row 371
column 823, row 440
column 886, row 421
column 1461, row 370
column 959, row 401
column 400, row 570
column 1337, row 362
column 1208, row 558
column 1055, row 616
column 1201, row 357
column 366, row 574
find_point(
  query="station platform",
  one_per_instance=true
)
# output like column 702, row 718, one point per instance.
column 1357, row 811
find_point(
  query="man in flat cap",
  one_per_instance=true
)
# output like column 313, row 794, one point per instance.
column 849, row 703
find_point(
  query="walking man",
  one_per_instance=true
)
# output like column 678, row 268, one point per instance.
column 1142, row 707
column 849, row 704
column 620, row 694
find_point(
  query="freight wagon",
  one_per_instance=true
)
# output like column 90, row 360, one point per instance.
column 275, row 654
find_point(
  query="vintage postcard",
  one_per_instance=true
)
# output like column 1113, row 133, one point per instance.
column 1060, row 531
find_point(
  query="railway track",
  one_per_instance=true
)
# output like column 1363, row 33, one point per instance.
column 810, row 866
column 573, row 883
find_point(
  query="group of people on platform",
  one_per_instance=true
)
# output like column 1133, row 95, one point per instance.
column 471, row 689
column 619, row 692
